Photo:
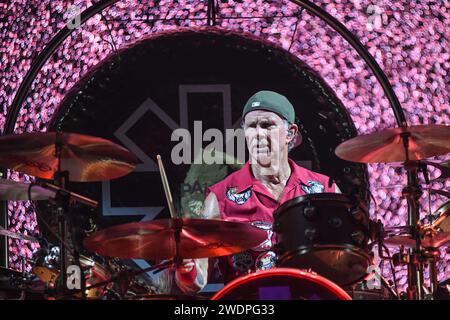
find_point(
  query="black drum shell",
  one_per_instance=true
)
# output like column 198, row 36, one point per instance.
column 325, row 232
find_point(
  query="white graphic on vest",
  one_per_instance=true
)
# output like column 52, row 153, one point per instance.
column 267, row 244
column 313, row 187
column 266, row 260
column 239, row 198
column 242, row 261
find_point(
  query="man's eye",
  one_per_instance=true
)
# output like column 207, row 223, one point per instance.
column 267, row 125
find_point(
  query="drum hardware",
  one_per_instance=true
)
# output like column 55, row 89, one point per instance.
column 409, row 145
column 361, row 291
column 443, row 166
column 15, row 235
column 178, row 238
column 123, row 276
column 56, row 155
column 441, row 192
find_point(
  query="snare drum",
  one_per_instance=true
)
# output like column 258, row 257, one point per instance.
column 324, row 232
column 281, row 284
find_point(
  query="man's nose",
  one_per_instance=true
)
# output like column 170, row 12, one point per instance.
column 260, row 132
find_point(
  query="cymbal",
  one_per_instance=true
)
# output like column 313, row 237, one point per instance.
column 6, row 272
column 199, row 238
column 436, row 241
column 15, row 190
column 4, row 232
column 86, row 158
column 387, row 145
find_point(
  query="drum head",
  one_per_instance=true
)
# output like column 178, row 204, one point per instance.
column 281, row 284
column 343, row 265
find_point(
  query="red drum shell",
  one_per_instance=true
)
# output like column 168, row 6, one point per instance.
column 281, row 284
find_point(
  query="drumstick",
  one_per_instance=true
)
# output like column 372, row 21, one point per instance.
column 165, row 183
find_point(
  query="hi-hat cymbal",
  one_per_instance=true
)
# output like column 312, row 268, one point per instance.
column 436, row 241
column 199, row 238
column 15, row 190
column 86, row 158
column 19, row 236
column 387, row 145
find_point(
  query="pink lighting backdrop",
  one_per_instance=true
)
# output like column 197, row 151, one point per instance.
column 409, row 39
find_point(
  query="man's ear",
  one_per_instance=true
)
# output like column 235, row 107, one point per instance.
column 292, row 131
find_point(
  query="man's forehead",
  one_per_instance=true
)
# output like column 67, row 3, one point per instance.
column 262, row 115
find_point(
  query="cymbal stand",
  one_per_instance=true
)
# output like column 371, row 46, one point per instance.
column 412, row 193
column 61, row 178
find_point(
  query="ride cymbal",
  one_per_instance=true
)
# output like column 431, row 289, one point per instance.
column 387, row 145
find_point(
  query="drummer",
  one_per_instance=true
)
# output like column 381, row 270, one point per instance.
column 254, row 192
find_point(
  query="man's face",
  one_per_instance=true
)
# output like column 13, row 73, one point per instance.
column 266, row 137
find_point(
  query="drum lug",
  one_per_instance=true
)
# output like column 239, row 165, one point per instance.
column 356, row 214
column 311, row 234
column 335, row 222
column 358, row 236
column 310, row 212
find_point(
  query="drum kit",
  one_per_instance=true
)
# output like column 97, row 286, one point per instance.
column 324, row 240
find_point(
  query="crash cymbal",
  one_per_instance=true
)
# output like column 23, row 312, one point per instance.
column 86, row 158
column 199, row 238
column 4, row 232
column 15, row 190
column 387, row 145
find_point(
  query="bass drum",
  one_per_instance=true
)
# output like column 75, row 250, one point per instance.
column 281, row 284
